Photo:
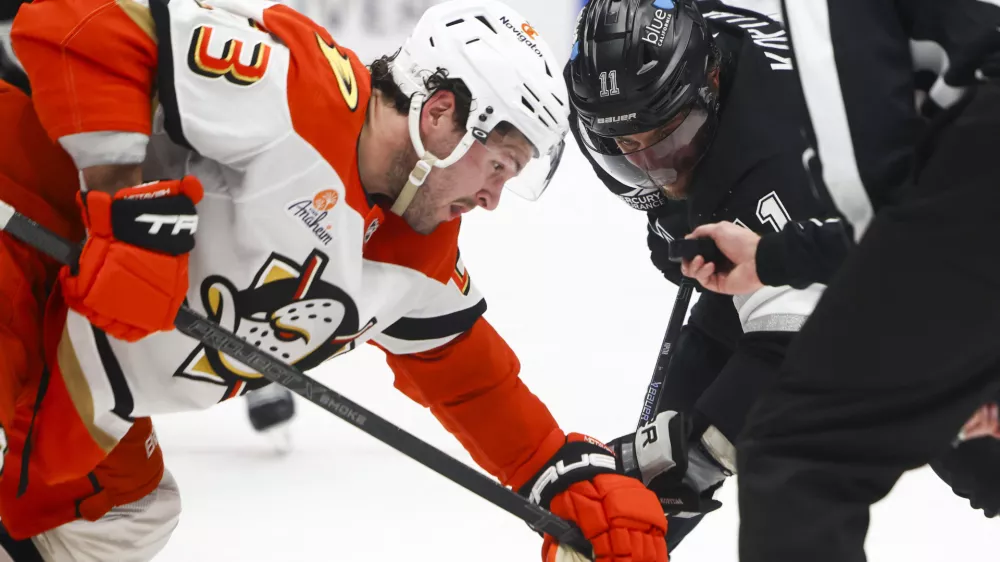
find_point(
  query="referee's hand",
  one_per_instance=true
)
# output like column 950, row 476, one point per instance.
column 740, row 246
column 984, row 423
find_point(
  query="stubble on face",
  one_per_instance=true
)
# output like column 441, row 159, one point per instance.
column 434, row 202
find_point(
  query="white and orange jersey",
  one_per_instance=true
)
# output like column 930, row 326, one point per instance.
column 266, row 109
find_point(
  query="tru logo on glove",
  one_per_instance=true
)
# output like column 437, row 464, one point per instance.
column 132, row 274
column 180, row 222
column 556, row 471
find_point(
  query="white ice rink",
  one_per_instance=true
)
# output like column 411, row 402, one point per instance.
column 571, row 288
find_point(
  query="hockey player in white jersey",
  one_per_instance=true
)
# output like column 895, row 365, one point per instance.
column 312, row 205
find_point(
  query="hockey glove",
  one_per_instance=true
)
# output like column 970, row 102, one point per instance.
column 970, row 469
column 657, row 454
column 132, row 274
column 617, row 514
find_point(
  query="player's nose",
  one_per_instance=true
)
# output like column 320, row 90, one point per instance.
column 489, row 197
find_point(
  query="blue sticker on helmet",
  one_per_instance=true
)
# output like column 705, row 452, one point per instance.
column 575, row 51
column 664, row 4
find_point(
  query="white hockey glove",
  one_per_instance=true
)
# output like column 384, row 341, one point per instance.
column 658, row 454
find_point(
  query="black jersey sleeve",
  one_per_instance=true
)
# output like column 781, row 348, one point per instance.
column 804, row 252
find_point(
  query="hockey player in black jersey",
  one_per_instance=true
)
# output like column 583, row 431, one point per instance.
column 687, row 117
column 681, row 115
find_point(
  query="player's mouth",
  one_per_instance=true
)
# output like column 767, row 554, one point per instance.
column 457, row 210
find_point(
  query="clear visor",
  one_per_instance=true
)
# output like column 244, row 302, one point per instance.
column 526, row 172
column 656, row 159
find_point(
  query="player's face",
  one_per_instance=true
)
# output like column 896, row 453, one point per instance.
column 670, row 169
column 476, row 180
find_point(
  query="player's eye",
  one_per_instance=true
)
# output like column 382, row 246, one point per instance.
column 626, row 144
column 498, row 166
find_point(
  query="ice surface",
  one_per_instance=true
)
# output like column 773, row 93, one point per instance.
column 571, row 288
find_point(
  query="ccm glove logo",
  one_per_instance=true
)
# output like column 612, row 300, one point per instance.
column 180, row 223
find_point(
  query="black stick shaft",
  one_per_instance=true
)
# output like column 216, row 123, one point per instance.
column 654, row 391
column 214, row 336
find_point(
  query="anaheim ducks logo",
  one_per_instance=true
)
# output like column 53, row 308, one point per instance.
column 287, row 310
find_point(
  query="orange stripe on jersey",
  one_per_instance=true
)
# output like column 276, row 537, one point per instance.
column 237, row 389
column 91, row 66
column 201, row 62
column 326, row 84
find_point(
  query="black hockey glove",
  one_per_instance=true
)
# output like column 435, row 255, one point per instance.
column 657, row 454
column 971, row 469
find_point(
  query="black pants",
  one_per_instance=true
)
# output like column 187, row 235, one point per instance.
column 901, row 350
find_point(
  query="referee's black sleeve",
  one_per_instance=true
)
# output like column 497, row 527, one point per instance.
column 803, row 253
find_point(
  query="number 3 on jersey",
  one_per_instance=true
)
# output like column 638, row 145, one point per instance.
column 228, row 65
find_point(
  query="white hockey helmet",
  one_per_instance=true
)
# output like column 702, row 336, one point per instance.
column 509, row 70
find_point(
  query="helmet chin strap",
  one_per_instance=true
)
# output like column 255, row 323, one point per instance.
column 427, row 160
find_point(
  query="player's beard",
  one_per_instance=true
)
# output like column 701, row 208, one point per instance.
column 678, row 189
column 421, row 215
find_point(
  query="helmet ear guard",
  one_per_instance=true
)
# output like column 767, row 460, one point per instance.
column 506, row 67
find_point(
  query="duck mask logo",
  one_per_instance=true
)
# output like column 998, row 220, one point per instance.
column 288, row 310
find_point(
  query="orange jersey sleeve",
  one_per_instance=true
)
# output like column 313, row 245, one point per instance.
column 471, row 385
column 36, row 176
column 91, row 64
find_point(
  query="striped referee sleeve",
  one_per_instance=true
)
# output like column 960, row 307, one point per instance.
column 855, row 69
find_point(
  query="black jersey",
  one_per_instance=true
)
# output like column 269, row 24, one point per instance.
column 873, row 74
column 752, row 173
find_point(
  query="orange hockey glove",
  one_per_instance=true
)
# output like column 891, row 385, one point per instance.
column 620, row 517
column 132, row 275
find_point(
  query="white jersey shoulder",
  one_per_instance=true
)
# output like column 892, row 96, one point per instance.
column 290, row 254
column 223, row 79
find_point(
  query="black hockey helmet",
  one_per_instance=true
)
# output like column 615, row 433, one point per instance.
column 643, row 68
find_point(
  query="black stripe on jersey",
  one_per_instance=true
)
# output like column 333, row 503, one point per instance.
column 43, row 387
column 18, row 550
column 165, row 73
column 418, row 329
column 124, row 403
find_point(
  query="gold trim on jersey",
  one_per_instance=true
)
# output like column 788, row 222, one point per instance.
column 79, row 391
column 140, row 15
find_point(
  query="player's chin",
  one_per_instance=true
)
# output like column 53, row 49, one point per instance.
column 427, row 223
column 678, row 190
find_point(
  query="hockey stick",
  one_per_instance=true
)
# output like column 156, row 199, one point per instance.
column 216, row 337
column 674, row 325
